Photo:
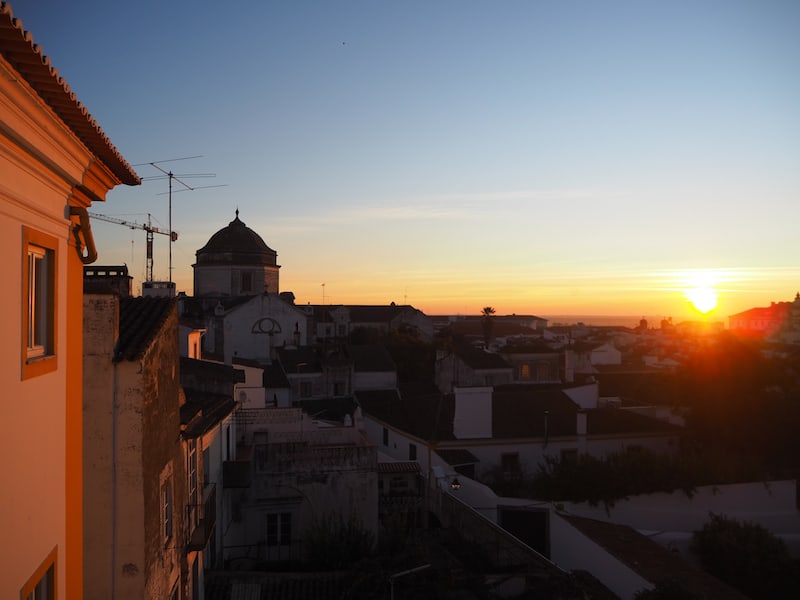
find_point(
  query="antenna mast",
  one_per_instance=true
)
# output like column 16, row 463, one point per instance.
column 186, row 187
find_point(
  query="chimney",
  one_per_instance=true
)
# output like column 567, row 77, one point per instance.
column 581, row 422
column 472, row 417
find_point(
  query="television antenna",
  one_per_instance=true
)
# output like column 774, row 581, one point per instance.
column 167, row 174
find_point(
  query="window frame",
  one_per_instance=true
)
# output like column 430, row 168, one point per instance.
column 279, row 529
column 39, row 312
column 167, row 510
column 48, row 570
column 246, row 281
column 191, row 472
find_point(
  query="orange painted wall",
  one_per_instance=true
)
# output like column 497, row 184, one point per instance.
column 73, row 560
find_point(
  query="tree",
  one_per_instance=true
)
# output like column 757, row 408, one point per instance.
column 487, row 320
column 333, row 543
column 748, row 557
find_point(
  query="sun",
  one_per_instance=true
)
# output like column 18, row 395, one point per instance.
column 699, row 289
column 702, row 298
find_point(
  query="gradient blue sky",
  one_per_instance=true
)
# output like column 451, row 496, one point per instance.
column 540, row 157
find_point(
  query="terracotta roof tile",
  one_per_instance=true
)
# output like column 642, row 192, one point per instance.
column 18, row 48
column 140, row 319
column 406, row 466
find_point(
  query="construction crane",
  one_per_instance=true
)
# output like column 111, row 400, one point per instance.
column 148, row 228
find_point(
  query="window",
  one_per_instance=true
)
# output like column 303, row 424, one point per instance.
column 510, row 463
column 260, row 457
column 305, row 389
column 42, row 584
column 412, row 452
column 206, row 467
column 166, row 510
column 39, row 303
column 247, row 282
column 525, row 371
column 192, row 470
column 279, row 529
column 385, row 436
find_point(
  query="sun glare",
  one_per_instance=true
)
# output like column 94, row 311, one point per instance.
column 703, row 299
column 699, row 291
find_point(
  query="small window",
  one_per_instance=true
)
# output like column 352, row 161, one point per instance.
column 510, row 462
column 412, row 452
column 247, row 282
column 42, row 584
column 279, row 529
column 305, row 389
column 261, row 457
column 525, row 371
column 39, row 303
column 385, row 436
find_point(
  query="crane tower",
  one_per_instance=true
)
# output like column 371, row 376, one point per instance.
column 148, row 228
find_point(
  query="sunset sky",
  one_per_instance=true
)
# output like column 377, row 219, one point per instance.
column 540, row 157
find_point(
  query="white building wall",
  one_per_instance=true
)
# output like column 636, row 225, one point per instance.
column 473, row 412
column 374, row 380
column 572, row 550
column 585, row 396
column 250, row 393
column 252, row 330
column 606, row 354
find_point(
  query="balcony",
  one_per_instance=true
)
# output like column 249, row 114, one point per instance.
column 202, row 519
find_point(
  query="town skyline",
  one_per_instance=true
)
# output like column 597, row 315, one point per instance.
column 540, row 158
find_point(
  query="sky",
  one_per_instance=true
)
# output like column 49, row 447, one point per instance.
column 540, row 157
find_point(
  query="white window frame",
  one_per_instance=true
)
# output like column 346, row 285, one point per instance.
column 283, row 529
column 39, row 302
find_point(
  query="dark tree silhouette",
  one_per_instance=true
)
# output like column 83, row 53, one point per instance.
column 487, row 319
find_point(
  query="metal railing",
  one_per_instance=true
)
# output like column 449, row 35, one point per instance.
column 202, row 519
column 501, row 547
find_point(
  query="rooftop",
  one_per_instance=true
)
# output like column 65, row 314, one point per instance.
column 18, row 48
column 140, row 319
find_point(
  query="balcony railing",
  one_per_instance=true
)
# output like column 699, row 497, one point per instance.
column 202, row 519
column 288, row 458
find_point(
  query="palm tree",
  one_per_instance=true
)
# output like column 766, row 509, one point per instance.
column 487, row 316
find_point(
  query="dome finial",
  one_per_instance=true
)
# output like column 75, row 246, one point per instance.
column 237, row 212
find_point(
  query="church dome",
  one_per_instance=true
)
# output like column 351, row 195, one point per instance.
column 236, row 244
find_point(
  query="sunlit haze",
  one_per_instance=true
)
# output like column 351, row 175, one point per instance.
column 549, row 158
